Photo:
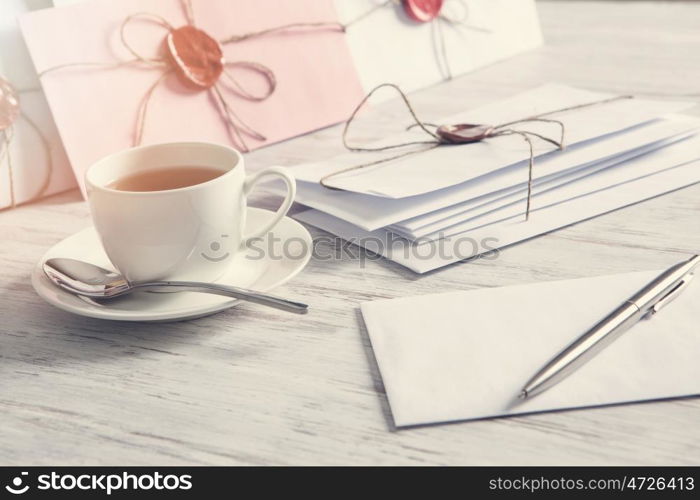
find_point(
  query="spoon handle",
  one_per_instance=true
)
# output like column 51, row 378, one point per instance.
column 227, row 291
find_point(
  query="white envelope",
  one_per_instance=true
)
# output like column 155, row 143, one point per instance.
column 29, row 159
column 446, row 166
column 425, row 257
column 388, row 46
column 373, row 212
column 582, row 182
column 460, row 355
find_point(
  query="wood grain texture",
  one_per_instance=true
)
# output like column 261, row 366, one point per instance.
column 257, row 386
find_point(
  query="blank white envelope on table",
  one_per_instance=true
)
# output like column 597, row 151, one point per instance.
column 467, row 354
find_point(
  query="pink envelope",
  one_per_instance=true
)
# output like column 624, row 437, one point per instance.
column 95, row 108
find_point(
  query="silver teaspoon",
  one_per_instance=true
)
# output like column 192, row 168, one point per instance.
column 89, row 280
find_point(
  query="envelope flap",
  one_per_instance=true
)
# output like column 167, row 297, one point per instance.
column 465, row 355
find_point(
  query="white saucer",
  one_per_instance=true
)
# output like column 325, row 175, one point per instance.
column 249, row 269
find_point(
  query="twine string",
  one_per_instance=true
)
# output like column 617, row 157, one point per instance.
column 530, row 161
column 409, row 107
column 462, row 20
column 189, row 11
column 332, row 26
column 143, row 109
column 235, row 122
column 439, row 40
column 6, row 155
column 87, row 65
column 436, row 140
column 7, row 135
column 370, row 11
column 236, row 126
column 229, row 115
column 440, row 46
column 261, row 69
column 138, row 58
column 143, row 16
column 456, row 20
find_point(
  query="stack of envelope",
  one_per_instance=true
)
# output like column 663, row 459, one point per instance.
column 431, row 208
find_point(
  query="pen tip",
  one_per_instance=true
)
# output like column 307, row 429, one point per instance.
column 523, row 394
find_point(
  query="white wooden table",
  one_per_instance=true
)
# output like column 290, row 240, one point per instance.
column 254, row 386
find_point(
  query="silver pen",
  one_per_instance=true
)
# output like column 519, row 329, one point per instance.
column 646, row 302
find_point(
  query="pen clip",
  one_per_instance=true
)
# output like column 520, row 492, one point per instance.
column 670, row 296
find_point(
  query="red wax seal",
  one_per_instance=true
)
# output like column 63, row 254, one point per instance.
column 9, row 104
column 422, row 10
column 464, row 133
column 198, row 58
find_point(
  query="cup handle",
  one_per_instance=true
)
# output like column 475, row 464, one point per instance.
column 288, row 179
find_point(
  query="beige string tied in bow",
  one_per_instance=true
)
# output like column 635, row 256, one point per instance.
column 461, row 134
column 10, row 113
column 198, row 61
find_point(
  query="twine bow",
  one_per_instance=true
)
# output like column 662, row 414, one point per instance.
column 199, row 63
column 460, row 134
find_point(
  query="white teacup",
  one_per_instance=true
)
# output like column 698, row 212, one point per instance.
column 190, row 233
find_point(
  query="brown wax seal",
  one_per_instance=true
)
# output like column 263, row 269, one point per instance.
column 422, row 10
column 198, row 57
column 464, row 133
column 9, row 104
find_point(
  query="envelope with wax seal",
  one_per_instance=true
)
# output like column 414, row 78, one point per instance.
column 373, row 212
column 465, row 355
column 33, row 162
column 660, row 173
column 416, row 44
column 585, row 116
column 97, row 82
